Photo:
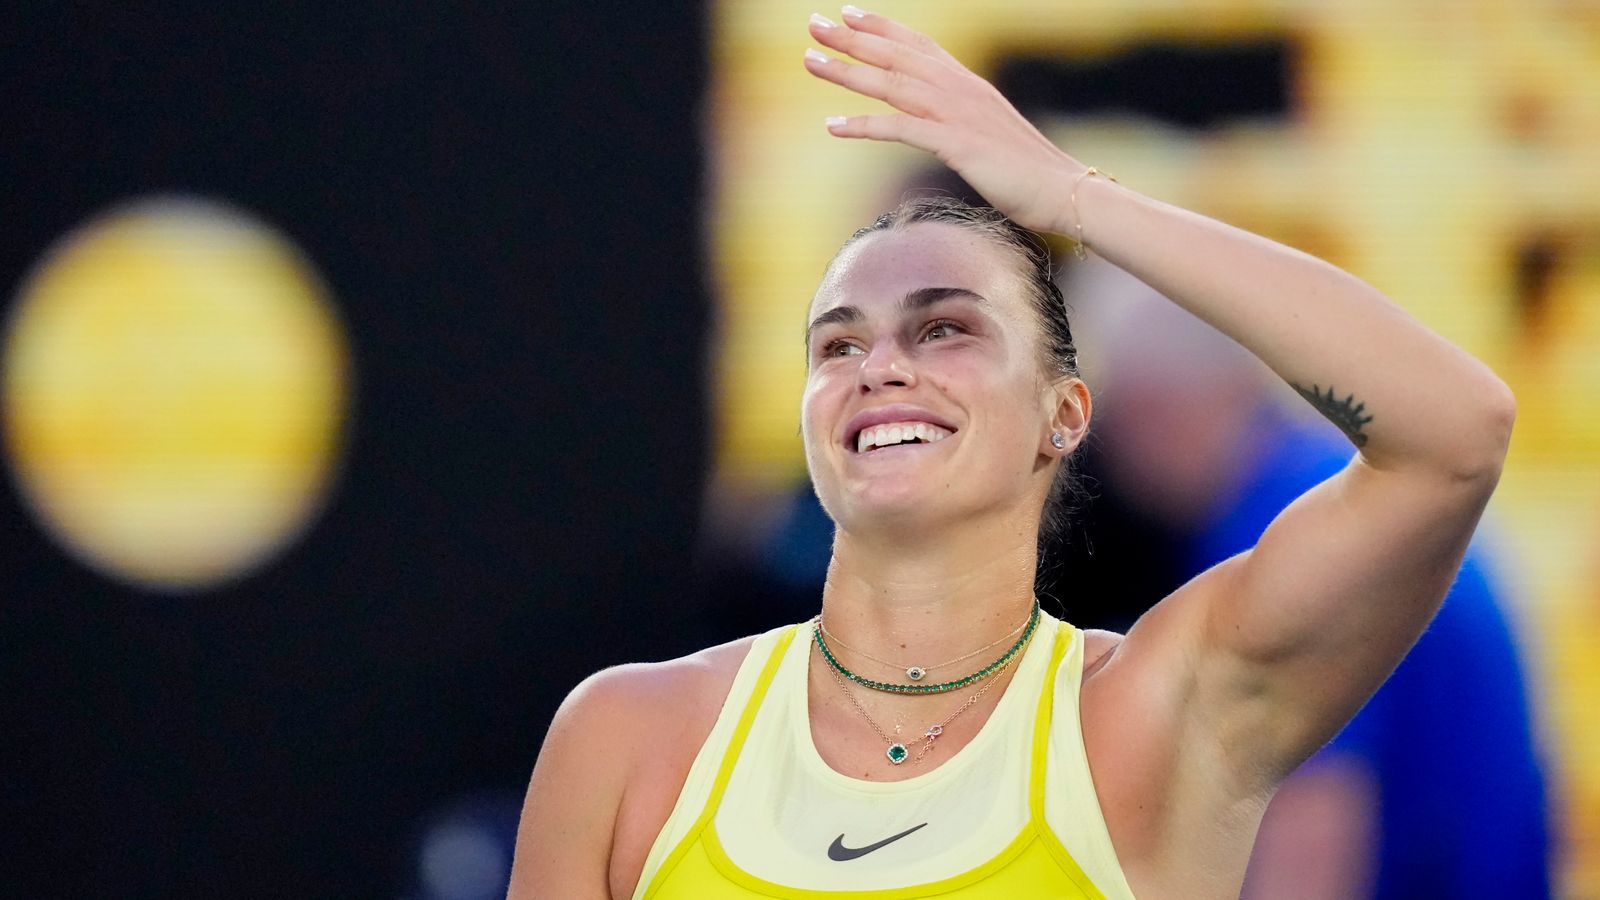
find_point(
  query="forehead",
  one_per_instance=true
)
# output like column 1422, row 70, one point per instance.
column 882, row 267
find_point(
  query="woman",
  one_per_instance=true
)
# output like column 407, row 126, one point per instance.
column 933, row 732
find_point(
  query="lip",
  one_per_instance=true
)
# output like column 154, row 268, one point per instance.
column 883, row 415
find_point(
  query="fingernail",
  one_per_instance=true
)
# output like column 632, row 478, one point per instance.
column 821, row 21
column 815, row 56
column 853, row 12
column 833, row 121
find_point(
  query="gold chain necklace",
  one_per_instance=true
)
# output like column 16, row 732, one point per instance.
column 816, row 635
column 917, row 673
column 899, row 751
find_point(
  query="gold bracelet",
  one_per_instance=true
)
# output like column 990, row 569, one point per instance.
column 1078, row 248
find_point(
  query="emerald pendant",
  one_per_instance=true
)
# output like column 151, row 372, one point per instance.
column 897, row 753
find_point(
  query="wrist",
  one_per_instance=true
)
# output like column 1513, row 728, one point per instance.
column 1061, row 183
column 1082, row 184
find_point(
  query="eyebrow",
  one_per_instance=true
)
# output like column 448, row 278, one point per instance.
column 920, row 298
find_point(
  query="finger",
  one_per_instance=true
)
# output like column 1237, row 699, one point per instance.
column 887, row 28
column 894, row 88
column 908, row 130
column 878, row 51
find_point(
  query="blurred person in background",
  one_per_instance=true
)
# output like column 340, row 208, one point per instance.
column 1435, row 789
column 942, row 405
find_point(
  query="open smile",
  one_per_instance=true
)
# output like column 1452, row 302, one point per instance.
column 902, row 425
column 899, row 434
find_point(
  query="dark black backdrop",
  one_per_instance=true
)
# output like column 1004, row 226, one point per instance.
column 505, row 204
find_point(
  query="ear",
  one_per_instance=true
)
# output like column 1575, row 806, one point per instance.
column 1069, row 416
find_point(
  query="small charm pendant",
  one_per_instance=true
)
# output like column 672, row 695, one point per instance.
column 897, row 753
column 915, row 673
column 934, row 731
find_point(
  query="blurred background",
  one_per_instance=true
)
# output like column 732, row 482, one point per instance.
column 371, row 377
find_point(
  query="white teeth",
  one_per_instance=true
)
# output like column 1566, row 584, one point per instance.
column 887, row 435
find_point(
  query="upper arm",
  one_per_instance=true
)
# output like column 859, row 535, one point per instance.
column 1270, row 652
column 565, row 835
column 1302, row 628
column 616, row 754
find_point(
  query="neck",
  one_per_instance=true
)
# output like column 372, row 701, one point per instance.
column 934, row 597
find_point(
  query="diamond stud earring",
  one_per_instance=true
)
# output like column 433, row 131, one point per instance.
column 1058, row 441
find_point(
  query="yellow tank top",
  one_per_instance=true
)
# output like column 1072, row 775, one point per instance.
column 1012, row 814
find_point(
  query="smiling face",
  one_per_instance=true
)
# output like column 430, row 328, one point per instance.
column 922, row 335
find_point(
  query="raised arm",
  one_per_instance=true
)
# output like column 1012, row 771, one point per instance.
column 1273, row 650
column 1294, row 634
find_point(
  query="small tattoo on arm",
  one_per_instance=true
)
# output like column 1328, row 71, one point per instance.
column 1344, row 413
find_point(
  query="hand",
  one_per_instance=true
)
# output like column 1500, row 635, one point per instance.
column 949, row 112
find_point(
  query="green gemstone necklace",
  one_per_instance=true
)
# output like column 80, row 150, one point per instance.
column 917, row 673
column 901, row 688
column 898, row 751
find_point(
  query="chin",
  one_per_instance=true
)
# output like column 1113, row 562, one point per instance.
column 892, row 504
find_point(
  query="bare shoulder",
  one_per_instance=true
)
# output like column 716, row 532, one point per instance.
column 612, row 763
column 686, row 697
column 642, row 711
column 639, row 689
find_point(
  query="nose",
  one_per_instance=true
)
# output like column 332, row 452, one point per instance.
column 885, row 366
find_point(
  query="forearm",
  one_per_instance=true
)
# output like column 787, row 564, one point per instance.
column 1406, row 397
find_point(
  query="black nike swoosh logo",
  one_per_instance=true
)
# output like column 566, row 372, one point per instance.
column 838, row 852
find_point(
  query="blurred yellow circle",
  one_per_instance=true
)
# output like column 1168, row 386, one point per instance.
column 174, row 387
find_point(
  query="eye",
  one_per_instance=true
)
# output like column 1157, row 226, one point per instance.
column 839, row 347
column 941, row 328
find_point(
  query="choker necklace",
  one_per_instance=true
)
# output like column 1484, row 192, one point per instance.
column 899, row 751
column 899, row 688
column 917, row 673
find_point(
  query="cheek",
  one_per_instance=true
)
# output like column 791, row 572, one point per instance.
column 818, row 407
column 813, row 398
column 1008, row 410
